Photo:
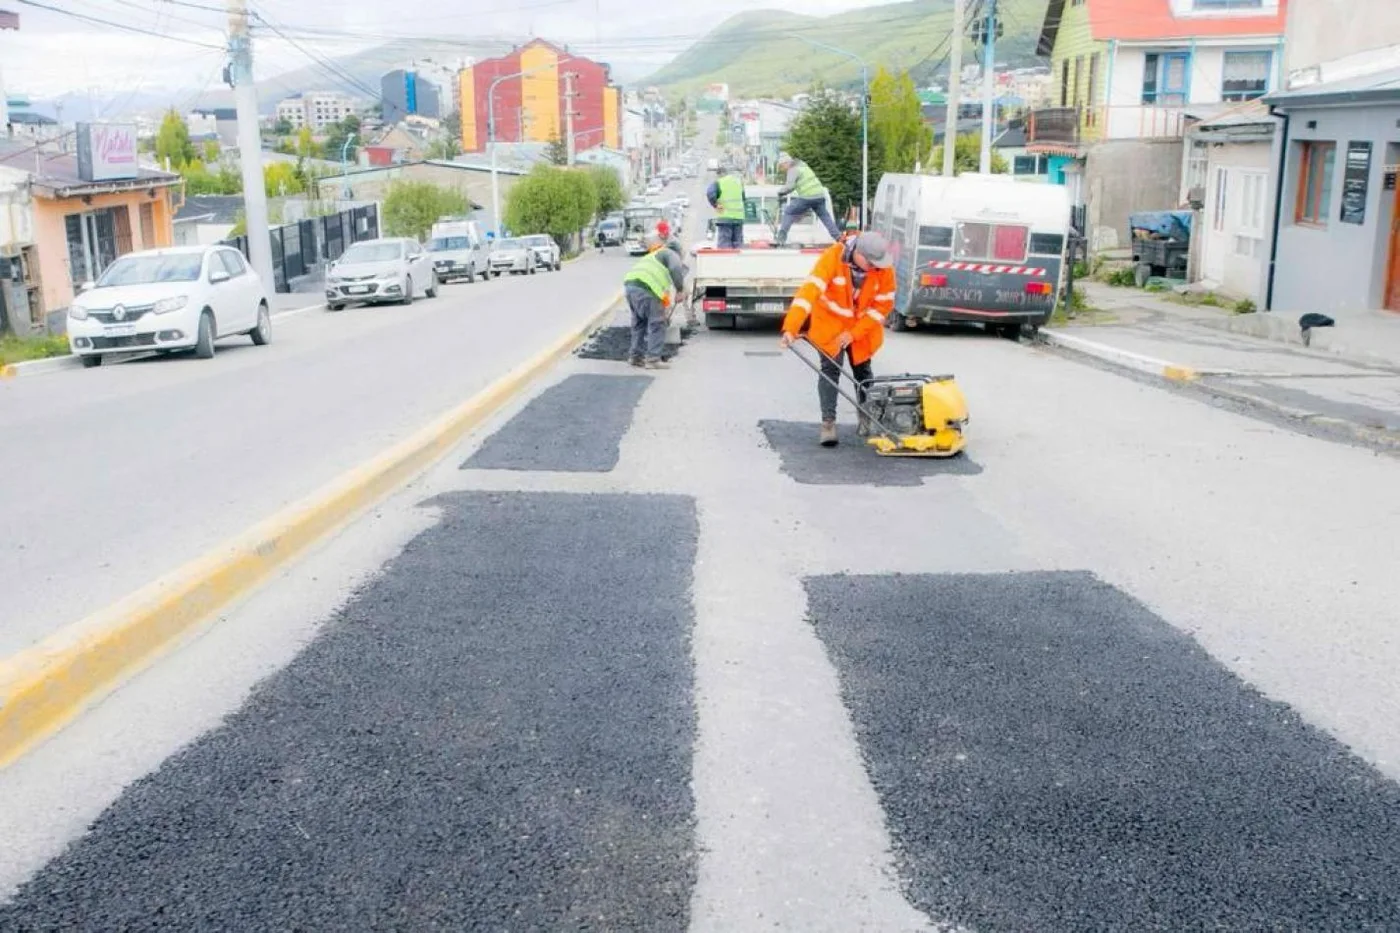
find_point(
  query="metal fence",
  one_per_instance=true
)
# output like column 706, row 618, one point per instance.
column 299, row 248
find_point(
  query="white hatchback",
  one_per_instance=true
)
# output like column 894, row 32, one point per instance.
column 182, row 298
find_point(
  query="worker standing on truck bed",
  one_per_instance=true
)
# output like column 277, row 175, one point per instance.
column 726, row 196
column 848, row 294
column 650, row 287
column 806, row 194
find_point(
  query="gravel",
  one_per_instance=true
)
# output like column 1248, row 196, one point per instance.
column 853, row 462
column 495, row 734
column 1053, row 756
column 575, row 426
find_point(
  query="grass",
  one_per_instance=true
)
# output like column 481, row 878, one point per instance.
column 23, row 349
column 1121, row 278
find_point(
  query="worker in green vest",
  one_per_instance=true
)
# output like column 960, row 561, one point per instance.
column 726, row 196
column 650, row 289
column 806, row 194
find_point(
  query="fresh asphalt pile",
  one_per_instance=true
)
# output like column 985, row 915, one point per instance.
column 1053, row 756
column 853, row 462
column 495, row 734
column 575, row 426
column 615, row 343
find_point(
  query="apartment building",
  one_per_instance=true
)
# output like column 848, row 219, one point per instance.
column 316, row 109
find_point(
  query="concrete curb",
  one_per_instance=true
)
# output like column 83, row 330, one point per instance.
column 1171, row 372
column 1125, row 358
column 39, row 367
column 49, row 684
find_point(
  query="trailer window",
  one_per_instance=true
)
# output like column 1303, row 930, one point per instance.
column 1047, row 244
column 995, row 242
column 937, row 237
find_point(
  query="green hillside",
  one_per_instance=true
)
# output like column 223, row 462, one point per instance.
column 756, row 53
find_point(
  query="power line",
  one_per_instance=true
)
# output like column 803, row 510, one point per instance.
column 97, row 21
column 324, row 64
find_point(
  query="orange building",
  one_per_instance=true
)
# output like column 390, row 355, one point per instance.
column 531, row 84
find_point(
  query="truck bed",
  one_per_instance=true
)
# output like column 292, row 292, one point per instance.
column 749, row 281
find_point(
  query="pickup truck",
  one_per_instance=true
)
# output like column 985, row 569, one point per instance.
column 758, row 279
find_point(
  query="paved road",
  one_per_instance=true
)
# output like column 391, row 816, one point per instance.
column 116, row 475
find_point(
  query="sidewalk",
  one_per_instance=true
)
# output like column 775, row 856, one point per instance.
column 1347, row 383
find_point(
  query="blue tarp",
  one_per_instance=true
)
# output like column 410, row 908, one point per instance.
column 1174, row 225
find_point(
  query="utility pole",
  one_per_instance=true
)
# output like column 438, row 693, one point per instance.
column 240, row 75
column 950, row 128
column 8, row 20
column 569, row 95
column 989, row 84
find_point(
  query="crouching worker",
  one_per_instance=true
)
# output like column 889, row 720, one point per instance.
column 846, row 298
column 651, row 288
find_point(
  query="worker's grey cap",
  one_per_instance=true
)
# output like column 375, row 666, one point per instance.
column 875, row 248
column 784, row 158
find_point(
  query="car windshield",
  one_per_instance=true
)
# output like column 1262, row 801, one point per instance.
column 537, row 240
column 145, row 270
column 509, row 244
column 449, row 242
column 372, row 252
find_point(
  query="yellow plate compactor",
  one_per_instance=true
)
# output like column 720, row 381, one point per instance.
column 909, row 415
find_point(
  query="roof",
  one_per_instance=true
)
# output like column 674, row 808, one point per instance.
column 57, row 173
column 32, row 119
column 1379, row 87
column 211, row 208
column 441, row 163
column 1146, row 20
column 1249, row 113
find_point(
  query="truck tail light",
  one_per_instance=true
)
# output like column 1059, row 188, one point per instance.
column 1039, row 288
column 713, row 304
column 933, row 281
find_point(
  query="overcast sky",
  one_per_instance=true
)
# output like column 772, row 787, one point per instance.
column 53, row 53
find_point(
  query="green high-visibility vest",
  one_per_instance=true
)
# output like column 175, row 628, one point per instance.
column 808, row 184
column 651, row 273
column 731, row 198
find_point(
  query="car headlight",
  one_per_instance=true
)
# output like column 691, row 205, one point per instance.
column 166, row 305
column 77, row 312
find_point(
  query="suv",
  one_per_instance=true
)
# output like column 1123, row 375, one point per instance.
column 546, row 251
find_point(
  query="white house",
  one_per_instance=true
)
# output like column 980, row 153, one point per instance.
column 1231, row 241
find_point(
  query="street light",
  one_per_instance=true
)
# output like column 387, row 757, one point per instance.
column 491, row 132
column 344, row 168
column 864, row 119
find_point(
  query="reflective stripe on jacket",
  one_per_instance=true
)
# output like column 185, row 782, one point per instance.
column 652, row 274
column 835, row 307
column 731, row 198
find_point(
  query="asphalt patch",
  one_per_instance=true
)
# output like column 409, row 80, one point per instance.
column 615, row 343
column 853, row 462
column 1052, row 756
column 575, row 426
column 495, row 734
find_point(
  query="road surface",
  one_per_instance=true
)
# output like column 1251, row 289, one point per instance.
column 117, row 475
column 1128, row 664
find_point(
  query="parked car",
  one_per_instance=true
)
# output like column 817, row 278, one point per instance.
column 182, row 298
column 459, row 250
column 513, row 255
column 610, row 232
column 547, row 252
column 379, row 271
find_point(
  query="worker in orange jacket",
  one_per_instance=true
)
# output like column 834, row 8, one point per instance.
column 848, row 294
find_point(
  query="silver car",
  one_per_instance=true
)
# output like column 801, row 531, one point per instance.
column 394, row 269
column 546, row 251
column 513, row 255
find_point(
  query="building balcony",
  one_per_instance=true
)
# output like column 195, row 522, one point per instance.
column 1071, row 129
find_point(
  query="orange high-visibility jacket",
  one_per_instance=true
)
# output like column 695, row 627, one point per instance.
column 835, row 307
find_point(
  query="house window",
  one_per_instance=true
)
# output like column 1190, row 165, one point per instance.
column 1315, row 164
column 1217, row 214
column 1093, row 93
column 1227, row 4
column 95, row 240
column 1249, row 235
column 1078, row 77
column 1246, row 75
column 1164, row 77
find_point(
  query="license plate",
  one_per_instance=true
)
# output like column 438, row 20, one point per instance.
column 770, row 306
column 120, row 330
column 357, row 290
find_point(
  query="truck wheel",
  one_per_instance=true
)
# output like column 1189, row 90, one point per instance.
column 897, row 323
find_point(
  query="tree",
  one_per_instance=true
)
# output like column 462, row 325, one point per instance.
column 173, row 141
column 826, row 135
column 338, row 133
column 967, row 155
column 283, row 127
column 559, row 202
column 306, row 146
column 211, row 151
column 412, row 207
column 557, row 152
column 897, row 123
column 607, row 186
column 444, row 147
column 280, row 179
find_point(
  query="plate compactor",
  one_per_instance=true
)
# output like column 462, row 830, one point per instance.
column 908, row 415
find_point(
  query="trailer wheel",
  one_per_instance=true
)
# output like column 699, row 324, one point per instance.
column 898, row 323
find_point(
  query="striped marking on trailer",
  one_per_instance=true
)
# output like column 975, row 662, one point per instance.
column 984, row 267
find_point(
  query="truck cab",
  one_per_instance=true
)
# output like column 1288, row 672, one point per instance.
column 459, row 250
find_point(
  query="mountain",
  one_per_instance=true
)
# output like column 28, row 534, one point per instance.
column 757, row 53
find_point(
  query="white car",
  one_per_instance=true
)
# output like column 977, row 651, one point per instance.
column 546, row 251
column 183, row 298
column 378, row 271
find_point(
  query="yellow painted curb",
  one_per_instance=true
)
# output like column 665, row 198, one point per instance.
column 1180, row 374
column 46, row 686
